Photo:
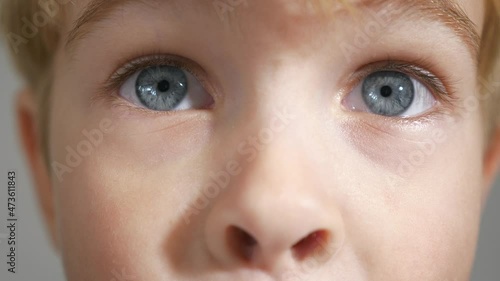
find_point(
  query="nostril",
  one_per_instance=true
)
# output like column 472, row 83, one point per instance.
column 316, row 243
column 241, row 243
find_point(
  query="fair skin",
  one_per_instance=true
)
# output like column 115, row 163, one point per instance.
column 279, row 123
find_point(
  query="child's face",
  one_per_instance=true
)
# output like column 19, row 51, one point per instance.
column 307, row 145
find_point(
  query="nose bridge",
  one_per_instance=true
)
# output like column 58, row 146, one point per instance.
column 271, row 153
column 272, row 79
column 276, row 151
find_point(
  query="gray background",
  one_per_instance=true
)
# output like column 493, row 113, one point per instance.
column 37, row 261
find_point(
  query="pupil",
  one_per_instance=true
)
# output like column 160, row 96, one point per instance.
column 386, row 91
column 163, row 86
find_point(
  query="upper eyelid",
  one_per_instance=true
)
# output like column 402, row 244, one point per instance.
column 440, row 87
column 126, row 70
column 141, row 63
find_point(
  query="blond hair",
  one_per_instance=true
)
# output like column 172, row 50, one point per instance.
column 33, row 58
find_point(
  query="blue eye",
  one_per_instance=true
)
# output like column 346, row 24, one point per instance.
column 165, row 88
column 391, row 93
column 388, row 93
column 162, row 87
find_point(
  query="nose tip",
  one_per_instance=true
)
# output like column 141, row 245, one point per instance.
column 275, row 233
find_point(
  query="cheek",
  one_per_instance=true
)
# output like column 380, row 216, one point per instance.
column 118, row 205
column 418, row 211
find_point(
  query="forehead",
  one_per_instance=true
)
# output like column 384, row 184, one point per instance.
column 279, row 8
column 293, row 21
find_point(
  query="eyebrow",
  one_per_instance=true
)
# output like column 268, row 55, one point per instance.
column 446, row 12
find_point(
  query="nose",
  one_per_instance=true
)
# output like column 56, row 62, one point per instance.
column 274, row 214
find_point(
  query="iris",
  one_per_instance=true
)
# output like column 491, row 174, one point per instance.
column 161, row 87
column 388, row 93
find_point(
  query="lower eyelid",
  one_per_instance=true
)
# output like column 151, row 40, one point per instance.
column 384, row 146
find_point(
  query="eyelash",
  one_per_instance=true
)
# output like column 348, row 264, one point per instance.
column 120, row 76
column 441, row 87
